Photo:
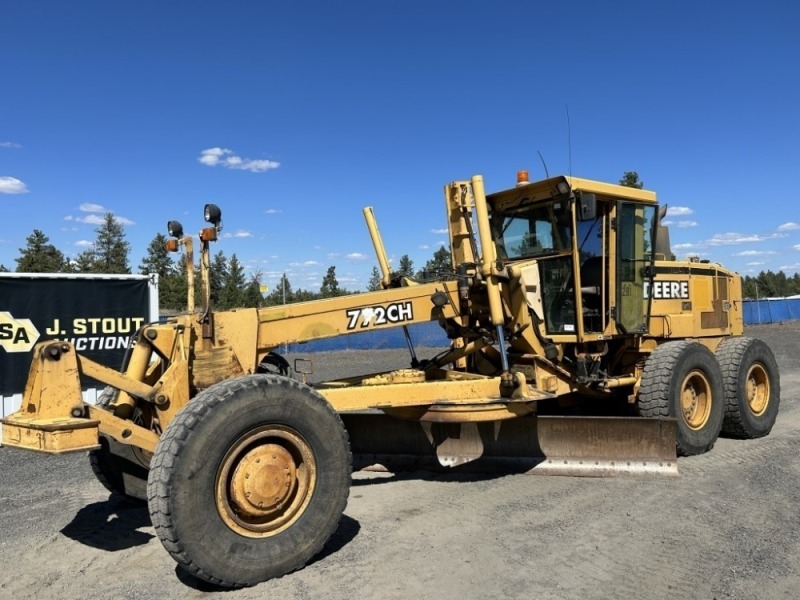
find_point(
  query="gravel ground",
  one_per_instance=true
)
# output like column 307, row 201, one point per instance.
column 726, row 528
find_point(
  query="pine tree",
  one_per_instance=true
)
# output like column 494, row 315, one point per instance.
column 374, row 280
column 172, row 285
column 84, row 262
column 406, row 266
column 217, row 275
column 251, row 295
column 39, row 256
column 330, row 285
column 3, row 269
column 440, row 264
column 157, row 260
column 282, row 294
column 631, row 179
column 109, row 254
column 232, row 292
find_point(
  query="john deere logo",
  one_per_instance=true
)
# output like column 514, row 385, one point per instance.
column 17, row 335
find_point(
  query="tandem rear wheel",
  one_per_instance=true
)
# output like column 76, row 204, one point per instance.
column 752, row 387
column 249, row 480
column 683, row 380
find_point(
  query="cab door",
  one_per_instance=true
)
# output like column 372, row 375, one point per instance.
column 634, row 265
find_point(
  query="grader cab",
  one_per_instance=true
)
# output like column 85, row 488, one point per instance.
column 578, row 345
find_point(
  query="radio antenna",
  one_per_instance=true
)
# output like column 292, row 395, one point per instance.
column 546, row 174
column 569, row 141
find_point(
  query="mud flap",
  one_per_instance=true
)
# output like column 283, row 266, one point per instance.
column 546, row 445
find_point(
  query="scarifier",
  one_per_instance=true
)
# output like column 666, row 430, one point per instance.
column 579, row 346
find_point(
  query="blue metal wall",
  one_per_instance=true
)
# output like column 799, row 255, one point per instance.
column 429, row 335
column 771, row 310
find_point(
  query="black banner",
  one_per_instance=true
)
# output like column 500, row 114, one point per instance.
column 97, row 315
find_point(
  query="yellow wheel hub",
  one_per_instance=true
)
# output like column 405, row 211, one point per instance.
column 696, row 400
column 263, row 481
column 757, row 389
column 266, row 481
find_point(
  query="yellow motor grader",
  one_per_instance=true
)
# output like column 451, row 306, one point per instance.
column 578, row 345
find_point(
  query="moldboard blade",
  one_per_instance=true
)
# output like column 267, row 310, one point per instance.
column 546, row 445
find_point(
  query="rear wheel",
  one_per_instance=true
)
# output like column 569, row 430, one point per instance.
column 752, row 387
column 683, row 380
column 261, row 466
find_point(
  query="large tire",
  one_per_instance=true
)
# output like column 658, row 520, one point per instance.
column 683, row 380
column 752, row 387
column 249, row 480
column 121, row 468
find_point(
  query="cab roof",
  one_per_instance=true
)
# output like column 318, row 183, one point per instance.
column 549, row 188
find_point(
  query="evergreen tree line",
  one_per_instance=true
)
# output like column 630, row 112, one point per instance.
column 770, row 285
column 108, row 253
column 230, row 287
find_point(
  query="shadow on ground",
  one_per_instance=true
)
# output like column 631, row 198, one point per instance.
column 112, row 525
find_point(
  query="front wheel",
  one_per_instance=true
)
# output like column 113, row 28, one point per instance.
column 121, row 468
column 249, row 480
column 683, row 380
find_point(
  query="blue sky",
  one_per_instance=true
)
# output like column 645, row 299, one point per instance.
column 292, row 116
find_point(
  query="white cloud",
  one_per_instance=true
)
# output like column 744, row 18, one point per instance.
column 272, row 211
column 84, row 243
column 726, row 239
column 10, row 145
column 307, row 263
column 91, row 207
column 682, row 224
column 95, row 219
column 214, row 157
column 754, row 253
column 439, row 231
column 756, row 263
column 683, row 246
column 796, row 246
column 239, row 233
column 333, row 254
column 423, row 247
column 211, row 156
column 12, row 185
column 356, row 256
column 679, row 211
column 789, row 226
column 794, row 267
column 91, row 219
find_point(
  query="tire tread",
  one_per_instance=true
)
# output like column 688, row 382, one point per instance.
column 172, row 443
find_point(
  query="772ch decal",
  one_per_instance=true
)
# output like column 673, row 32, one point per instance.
column 380, row 315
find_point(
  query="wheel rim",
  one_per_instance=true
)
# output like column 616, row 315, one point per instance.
column 266, row 481
column 696, row 400
column 757, row 389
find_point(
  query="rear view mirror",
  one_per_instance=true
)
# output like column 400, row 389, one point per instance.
column 587, row 207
